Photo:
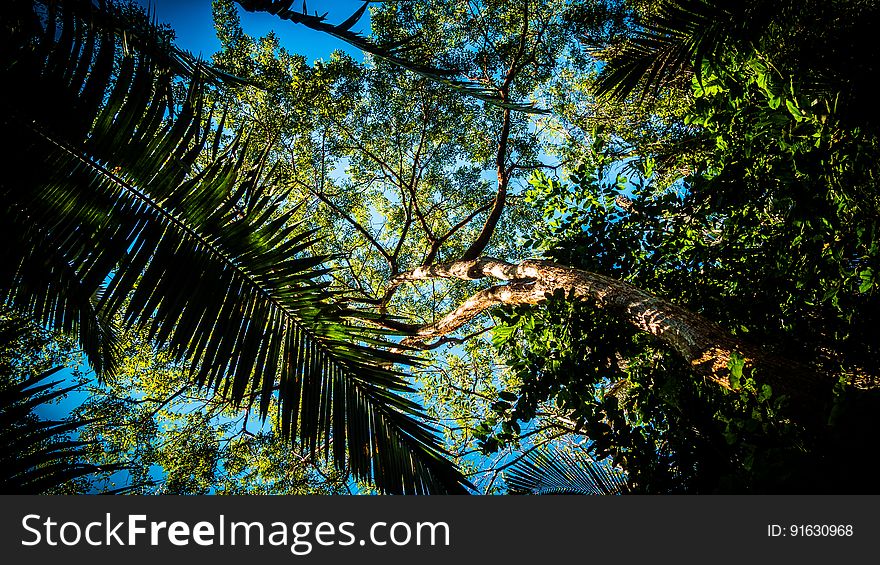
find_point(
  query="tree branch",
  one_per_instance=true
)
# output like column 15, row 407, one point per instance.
column 438, row 243
column 356, row 225
column 503, row 174
column 512, row 293
column 702, row 343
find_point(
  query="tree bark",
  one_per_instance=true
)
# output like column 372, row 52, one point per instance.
column 503, row 174
column 705, row 345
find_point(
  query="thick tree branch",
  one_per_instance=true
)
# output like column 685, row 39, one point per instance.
column 512, row 293
column 503, row 173
column 702, row 343
column 520, row 60
column 470, row 270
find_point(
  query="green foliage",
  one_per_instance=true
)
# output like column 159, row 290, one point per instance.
column 397, row 52
column 667, row 431
column 773, row 234
column 398, row 170
column 115, row 214
column 677, row 34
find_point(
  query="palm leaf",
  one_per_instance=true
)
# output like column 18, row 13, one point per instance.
column 36, row 455
column 679, row 36
column 117, row 194
column 388, row 52
column 144, row 35
column 559, row 472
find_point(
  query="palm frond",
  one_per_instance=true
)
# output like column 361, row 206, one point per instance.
column 125, row 218
column 679, row 36
column 36, row 455
column 140, row 31
column 391, row 53
column 559, row 472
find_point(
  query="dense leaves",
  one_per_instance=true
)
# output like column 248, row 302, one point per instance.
column 116, row 211
column 718, row 158
column 773, row 233
column 394, row 52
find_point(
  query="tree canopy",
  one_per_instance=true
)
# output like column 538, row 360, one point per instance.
column 593, row 246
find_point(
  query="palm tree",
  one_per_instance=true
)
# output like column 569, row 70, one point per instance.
column 36, row 455
column 676, row 38
column 118, row 204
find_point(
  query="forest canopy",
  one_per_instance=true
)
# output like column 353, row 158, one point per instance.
column 521, row 246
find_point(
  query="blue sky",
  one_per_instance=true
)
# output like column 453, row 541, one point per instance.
column 191, row 21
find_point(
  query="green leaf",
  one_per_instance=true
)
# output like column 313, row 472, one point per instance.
column 867, row 278
column 794, row 110
column 736, row 365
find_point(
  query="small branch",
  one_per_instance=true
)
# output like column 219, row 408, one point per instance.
column 356, row 225
column 435, row 246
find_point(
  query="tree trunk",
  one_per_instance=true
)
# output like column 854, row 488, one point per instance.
column 702, row 343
